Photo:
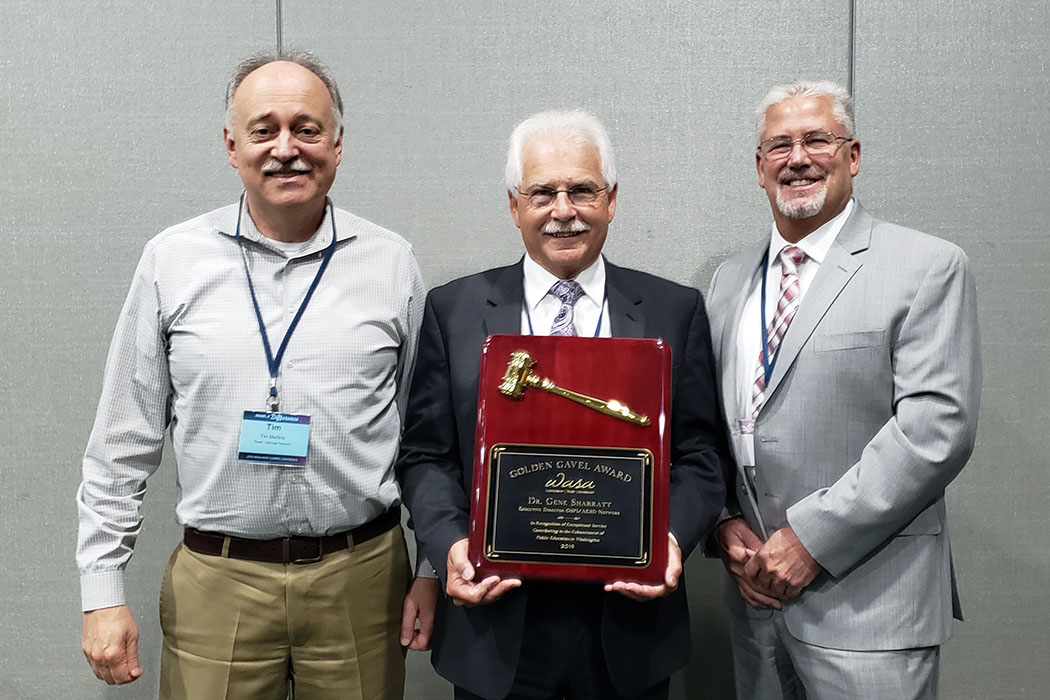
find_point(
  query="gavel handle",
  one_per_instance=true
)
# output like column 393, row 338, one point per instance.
column 609, row 408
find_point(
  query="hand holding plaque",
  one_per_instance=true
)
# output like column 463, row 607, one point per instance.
column 572, row 490
column 465, row 586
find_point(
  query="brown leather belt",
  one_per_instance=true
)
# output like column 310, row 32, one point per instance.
column 288, row 550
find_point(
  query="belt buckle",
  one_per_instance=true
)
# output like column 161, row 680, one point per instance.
column 286, row 548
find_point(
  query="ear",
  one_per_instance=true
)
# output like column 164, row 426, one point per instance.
column 339, row 148
column 854, row 158
column 612, row 201
column 513, row 203
column 231, row 147
column 761, row 175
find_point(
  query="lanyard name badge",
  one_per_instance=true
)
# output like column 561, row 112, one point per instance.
column 746, row 443
column 271, row 436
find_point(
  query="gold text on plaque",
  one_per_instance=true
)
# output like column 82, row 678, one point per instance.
column 519, row 376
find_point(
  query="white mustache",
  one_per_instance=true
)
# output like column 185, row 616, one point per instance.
column 293, row 166
column 574, row 226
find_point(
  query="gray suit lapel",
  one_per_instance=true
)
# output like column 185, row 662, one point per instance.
column 743, row 280
column 836, row 271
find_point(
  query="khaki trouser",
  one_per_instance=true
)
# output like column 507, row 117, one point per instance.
column 243, row 629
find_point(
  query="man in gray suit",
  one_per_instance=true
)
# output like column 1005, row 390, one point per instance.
column 847, row 428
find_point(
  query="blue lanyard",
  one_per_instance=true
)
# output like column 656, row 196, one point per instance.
column 597, row 329
column 274, row 363
column 767, row 362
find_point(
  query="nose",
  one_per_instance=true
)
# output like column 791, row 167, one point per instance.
column 798, row 155
column 285, row 146
column 563, row 207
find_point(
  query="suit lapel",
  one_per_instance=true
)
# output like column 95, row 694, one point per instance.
column 626, row 312
column 835, row 272
column 502, row 313
column 503, row 303
column 742, row 279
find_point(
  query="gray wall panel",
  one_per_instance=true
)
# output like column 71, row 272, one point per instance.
column 952, row 101
column 111, row 116
column 433, row 90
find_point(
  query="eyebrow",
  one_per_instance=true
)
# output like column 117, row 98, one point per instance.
column 298, row 119
column 548, row 186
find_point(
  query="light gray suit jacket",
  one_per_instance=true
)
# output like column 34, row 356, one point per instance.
column 871, row 412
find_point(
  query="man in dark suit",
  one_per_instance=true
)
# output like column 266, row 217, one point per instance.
column 502, row 638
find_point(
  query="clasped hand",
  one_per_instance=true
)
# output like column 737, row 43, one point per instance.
column 770, row 573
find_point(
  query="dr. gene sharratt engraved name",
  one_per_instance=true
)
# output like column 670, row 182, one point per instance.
column 560, row 480
column 570, row 502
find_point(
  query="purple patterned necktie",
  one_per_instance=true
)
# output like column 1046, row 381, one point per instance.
column 569, row 291
column 790, row 259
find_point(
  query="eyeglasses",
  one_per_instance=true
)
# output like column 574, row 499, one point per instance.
column 815, row 143
column 579, row 195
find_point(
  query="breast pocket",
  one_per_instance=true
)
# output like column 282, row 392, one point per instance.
column 849, row 341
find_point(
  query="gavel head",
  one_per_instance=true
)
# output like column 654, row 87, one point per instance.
column 518, row 369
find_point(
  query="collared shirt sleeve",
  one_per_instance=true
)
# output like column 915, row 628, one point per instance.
column 125, row 444
column 412, row 319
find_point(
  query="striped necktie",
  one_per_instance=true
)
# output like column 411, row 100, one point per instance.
column 790, row 259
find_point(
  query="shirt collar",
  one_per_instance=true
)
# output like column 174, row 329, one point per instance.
column 320, row 239
column 538, row 281
column 817, row 244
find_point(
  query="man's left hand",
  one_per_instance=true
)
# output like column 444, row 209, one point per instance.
column 643, row 593
column 782, row 566
column 419, row 605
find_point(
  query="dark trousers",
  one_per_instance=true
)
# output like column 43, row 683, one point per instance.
column 561, row 649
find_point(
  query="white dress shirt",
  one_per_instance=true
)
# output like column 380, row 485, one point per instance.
column 540, row 307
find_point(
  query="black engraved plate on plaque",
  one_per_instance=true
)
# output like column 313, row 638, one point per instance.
column 570, row 505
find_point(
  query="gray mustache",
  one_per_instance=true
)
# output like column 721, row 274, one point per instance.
column 574, row 226
column 803, row 174
column 293, row 166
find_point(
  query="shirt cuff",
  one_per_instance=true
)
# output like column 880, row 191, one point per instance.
column 102, row 589
column 423, row 567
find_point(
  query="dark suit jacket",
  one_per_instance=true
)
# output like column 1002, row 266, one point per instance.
column 477, row 648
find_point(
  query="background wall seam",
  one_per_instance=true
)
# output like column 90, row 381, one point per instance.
column 852, row 59
column 280, row 27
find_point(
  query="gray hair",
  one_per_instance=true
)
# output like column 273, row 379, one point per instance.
column 841, row 102
column 300, row 58
column 577, row 125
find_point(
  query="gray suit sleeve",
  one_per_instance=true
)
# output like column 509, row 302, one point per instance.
column 907, row 465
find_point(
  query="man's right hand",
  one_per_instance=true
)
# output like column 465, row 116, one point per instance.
column 110, row 641
column 460, row 584
column 736, row 545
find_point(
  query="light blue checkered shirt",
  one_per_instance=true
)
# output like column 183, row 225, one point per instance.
column 187, row 355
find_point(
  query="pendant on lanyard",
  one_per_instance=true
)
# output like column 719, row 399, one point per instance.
column 274, row 362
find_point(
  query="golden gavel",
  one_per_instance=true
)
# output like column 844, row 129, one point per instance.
column 519, row 376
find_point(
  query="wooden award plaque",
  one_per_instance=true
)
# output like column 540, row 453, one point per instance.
column 571, row 469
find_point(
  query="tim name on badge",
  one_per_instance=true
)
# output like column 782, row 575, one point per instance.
column 278, row 438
